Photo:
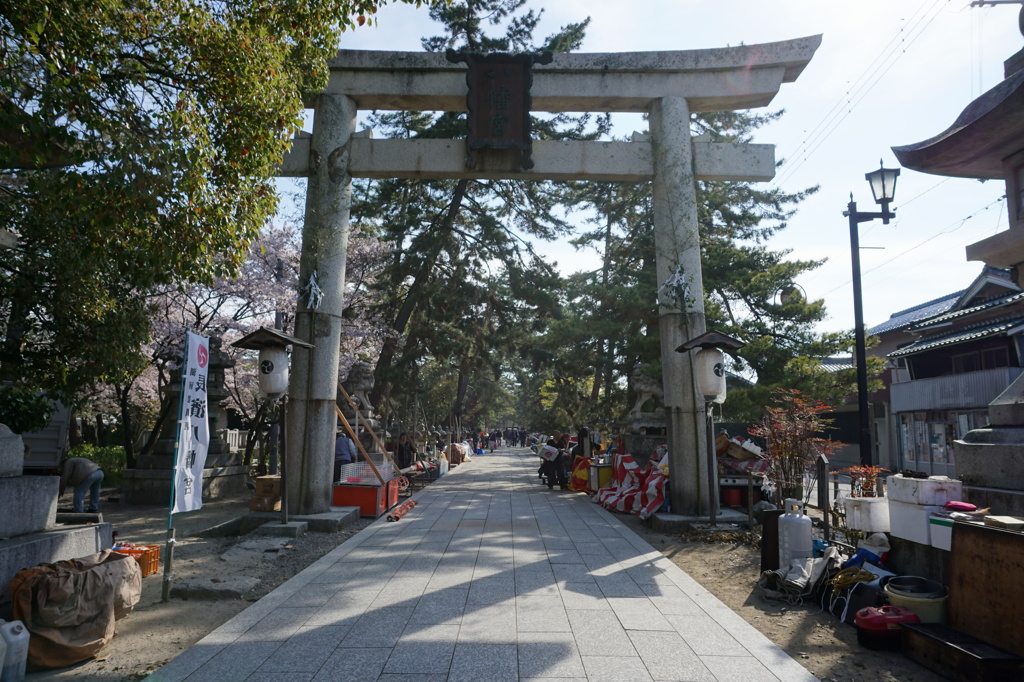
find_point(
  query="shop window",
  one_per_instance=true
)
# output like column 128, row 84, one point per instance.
column 921, row 450
column 937, row 442
column 968, row 362
column 907, row 435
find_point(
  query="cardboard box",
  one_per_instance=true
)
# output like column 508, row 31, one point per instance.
column 265, row 503
column 743, row 451
column 268, row 486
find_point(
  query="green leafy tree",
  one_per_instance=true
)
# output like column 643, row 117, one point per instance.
column 463, row 286
column 749, row 288
column 138, row 143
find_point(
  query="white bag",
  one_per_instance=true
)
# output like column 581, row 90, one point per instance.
column 548, row 452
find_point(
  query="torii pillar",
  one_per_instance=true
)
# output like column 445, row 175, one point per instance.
column 312, row 420
column 677, row 248
column 667, row 85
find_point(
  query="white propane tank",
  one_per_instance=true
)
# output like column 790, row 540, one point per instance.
column 15, row 635
column 794, row 534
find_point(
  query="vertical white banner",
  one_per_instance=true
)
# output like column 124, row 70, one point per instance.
column 193, row 429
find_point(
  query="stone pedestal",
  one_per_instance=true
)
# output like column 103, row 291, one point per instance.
column 149, row 482
column 990, row 461
column 28, row 509
column 59, row 544
column 12, row 453
column 643, row 434
column 28, row 504
column 153, row 486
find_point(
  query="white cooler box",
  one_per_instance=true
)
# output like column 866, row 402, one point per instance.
column 934, row 490
column 911, row 521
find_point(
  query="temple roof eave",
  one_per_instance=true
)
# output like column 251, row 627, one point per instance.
column 987, row 131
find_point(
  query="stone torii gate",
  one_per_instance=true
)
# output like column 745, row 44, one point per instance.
column 669, row 86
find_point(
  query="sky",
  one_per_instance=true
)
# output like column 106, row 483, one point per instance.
column 888, row 73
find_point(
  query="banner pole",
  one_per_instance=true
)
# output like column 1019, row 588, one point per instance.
column 169, row 553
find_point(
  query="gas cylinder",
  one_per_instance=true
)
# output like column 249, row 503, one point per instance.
column 794, row 534
column 15, row 635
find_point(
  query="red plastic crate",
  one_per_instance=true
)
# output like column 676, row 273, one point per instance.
column 148, row 557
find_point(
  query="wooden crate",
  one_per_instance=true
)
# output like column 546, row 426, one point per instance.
column 986, row 592
column 958, row 656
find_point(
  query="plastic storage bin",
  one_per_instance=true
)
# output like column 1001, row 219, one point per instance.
column 934, row 490
column 941, row 531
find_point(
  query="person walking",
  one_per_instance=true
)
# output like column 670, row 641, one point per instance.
column 83, row 475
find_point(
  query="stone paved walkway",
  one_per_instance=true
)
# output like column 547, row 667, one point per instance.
column 491, row 577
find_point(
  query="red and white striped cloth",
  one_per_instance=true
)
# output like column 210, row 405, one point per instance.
column 633, row 490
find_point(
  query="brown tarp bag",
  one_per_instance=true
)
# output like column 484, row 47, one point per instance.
column 69, row 607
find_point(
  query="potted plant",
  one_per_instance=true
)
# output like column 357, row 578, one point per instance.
column 792, row 431
column 864, row 480
column 867, row 510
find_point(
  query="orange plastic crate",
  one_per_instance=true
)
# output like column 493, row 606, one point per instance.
column 148, row 557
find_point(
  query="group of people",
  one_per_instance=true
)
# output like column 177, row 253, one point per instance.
column 510, row 437
column 558, row 469
column 553, row 470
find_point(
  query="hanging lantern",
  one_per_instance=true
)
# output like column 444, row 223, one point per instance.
column 273, row 364
column 711, row 374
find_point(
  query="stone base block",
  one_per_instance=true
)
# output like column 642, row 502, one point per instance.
column 12, row 453
column 326, row 522
column 28, row 504
column 1002, row 502
column 991, row 458
column 292, row 529
column 678, row 523
column 214, row 460
column 153, row 486
column 49, row 547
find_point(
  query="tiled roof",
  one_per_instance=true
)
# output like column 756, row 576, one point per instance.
column 969, row 333
column 905, row 318
column 987, row 305
column 836, row 364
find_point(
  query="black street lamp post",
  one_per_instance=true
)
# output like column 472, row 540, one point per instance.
column 883, row 187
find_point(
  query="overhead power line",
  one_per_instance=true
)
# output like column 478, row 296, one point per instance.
column 949, row 229
column 887, row 57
